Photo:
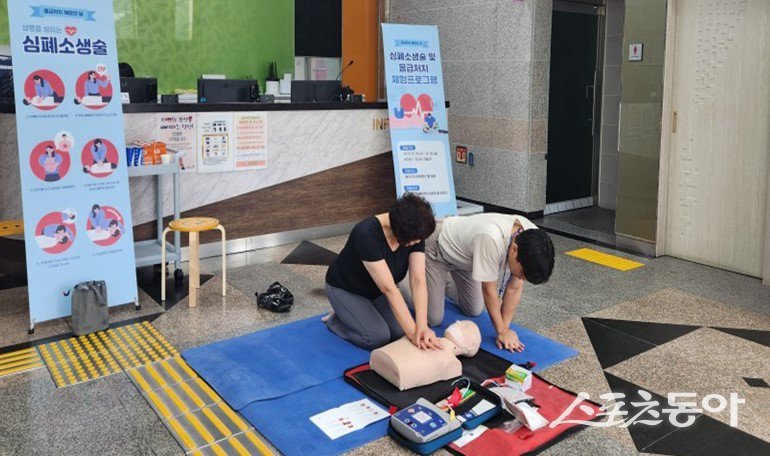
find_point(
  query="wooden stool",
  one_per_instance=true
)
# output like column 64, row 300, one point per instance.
column 193, row 226
column 11, row 227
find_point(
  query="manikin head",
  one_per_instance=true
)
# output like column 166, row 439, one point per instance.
column 465, row 336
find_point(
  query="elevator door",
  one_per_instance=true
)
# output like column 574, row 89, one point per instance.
column 571, row 107
column 720, row 143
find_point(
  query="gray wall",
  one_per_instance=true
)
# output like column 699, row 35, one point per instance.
column 496, row 57
column 613, row 56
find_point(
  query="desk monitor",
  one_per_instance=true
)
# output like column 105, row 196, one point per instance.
column 315, row 91
column 227, row 90
column 140, row 90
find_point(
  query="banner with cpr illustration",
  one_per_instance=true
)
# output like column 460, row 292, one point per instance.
column 74, row 182
column 418, row 117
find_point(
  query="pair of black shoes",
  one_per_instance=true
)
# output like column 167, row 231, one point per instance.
column 277, row 298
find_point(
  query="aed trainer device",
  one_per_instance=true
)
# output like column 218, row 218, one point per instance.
column 423, row 422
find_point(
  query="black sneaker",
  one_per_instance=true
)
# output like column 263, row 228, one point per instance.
column 277, row 289
column 272, row 302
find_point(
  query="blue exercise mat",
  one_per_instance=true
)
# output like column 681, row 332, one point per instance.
column 539, row 349
column 274, row 362
column 285, row 421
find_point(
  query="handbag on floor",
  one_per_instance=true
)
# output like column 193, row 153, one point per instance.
column 89, row 307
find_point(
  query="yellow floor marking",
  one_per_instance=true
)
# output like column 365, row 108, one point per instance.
column 238, row 447
column 155, row 375
column 136, row 375
column 605, row 259
column 200, row 428
column 18, row 356
column 21, row 369
column 185, row 367
column 159, row 404
column 258, row 443
column 197, row 453
column 3, row 367
column 175, row 399
column 191, row 394
column 20, row 361
column 25, row 351
column 230, row 414
column 217, row 422
column 171, row 371
column 218, row 450
column 182, row 434
column 205, row 387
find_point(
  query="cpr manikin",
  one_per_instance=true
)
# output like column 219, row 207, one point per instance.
column 406, row 366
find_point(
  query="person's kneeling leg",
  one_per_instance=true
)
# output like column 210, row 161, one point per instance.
column 356, row 319
column 469, row 295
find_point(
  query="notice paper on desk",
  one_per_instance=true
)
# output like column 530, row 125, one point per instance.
column 348, row 418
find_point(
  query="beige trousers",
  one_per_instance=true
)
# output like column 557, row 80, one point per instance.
column 466, row 291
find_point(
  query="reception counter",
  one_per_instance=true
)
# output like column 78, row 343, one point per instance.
column 327, row 164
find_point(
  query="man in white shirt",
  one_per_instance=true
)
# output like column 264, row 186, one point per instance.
column 489, row 256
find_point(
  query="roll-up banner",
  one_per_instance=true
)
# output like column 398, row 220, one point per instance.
column 417, row 112
column 74, row 182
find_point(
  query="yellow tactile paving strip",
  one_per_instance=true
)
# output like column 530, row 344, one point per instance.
column 78, row 359
column 19, row 361
column 195, row 415
column 244, row 444
column 83, row 358
column 605, row 259
column 136, row 345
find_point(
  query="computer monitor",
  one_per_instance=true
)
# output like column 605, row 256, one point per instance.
column 140, row 90
column 315, row 91
column 227, row 90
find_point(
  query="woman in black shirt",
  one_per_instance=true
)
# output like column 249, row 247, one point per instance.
column 368, row 308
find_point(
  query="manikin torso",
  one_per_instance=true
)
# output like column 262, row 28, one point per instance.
column 406, row 366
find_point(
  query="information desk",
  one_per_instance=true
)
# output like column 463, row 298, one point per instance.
column 326, row 164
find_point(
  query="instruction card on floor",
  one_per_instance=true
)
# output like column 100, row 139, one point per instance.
column 419, row 133
column 348, row 418
column 74, row 180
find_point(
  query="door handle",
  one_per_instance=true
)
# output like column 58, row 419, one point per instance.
column 589, row 88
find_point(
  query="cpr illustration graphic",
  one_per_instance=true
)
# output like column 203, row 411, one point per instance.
column 99, row 157
column 93, row 88
column 105, row 225
column 49, row 162
column 55, row 232
column 44, row 90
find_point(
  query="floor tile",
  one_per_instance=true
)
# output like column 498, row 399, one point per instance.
column 756, row 382
column 107, row 416
column 760, row 337
column 334, row 243
column 149, row 281
column 311, row 254
column 654, row 333
column 649, row 427
column 678, row 307
column 612, row 346
column 709, row 437
column 707, row 362
column 14, row 320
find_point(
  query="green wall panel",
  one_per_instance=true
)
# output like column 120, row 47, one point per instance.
column 178, row 40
